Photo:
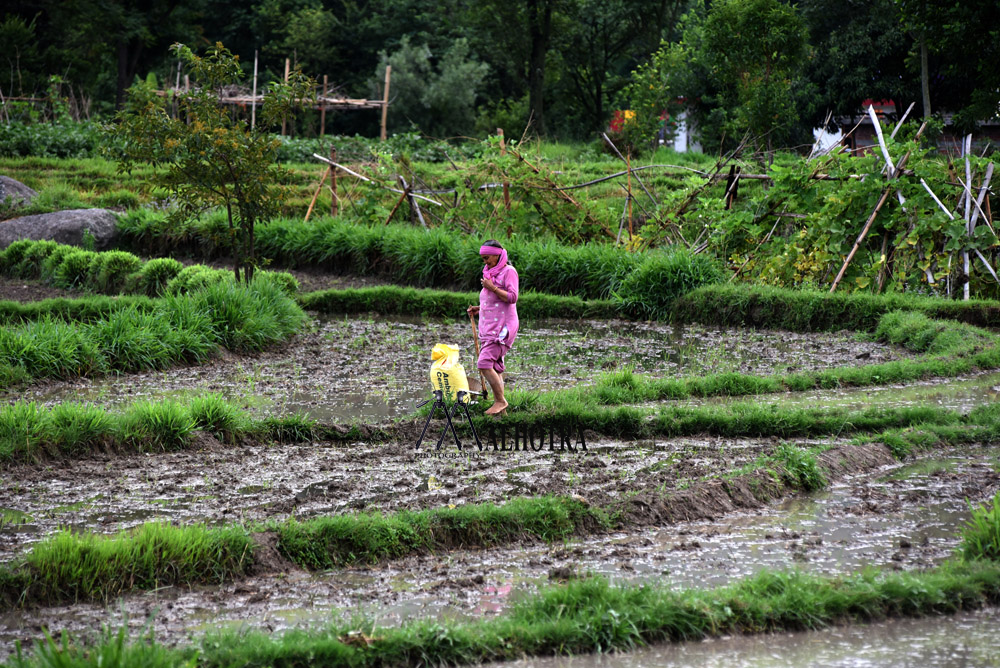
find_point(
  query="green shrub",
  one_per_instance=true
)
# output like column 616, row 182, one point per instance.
column 111, row 269
column 152, row 278
column 196, row 277
column 288, row 283
column 52, row 262
column 11, row 256
column 30, row 265
column 74, row 270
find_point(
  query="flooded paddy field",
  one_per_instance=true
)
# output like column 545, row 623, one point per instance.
column 374, row 369
column 218, row 483
column 896, row 516
column 957, row 641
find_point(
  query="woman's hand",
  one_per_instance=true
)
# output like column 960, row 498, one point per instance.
column 489, row 285
column 472, row 310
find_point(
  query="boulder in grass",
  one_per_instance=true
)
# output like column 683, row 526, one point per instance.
column 65, row 227
column 14, row 193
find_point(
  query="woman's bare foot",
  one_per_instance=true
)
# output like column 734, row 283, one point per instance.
column 497, row 408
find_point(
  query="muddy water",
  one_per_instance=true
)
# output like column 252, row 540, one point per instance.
column 898, row 517
column 371, row 369
column 958, row 641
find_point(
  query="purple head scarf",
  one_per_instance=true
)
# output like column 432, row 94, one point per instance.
column 493, row 272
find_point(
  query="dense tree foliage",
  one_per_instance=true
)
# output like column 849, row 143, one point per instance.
column 563, row 66
column 211, row 160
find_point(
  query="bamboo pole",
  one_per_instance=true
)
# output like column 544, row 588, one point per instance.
column 404, row 196
column 967, row 148
column 322, row 109
column 284, row 120
column 475, row 340
column 365, row 178
column 335, row 200
column 871, row 219
column 506, row 185
column 622, row 158
column 628, row 201
column 385, row 101
column 890, row 168
column 315, row 196
column 253, row 105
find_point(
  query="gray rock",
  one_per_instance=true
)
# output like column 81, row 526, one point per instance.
column 65, row 227
column 14, row 192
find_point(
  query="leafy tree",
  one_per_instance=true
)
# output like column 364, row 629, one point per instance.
column 676, row 78
column 20, row 55
column 957, row 45
column 437, row 97
column 210, row 158
column 754, row 48
column 516, row 37
column 860, row 52
column 597, row 44
column 656, row 87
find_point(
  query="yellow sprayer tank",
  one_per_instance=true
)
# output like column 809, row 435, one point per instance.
column 447, row 374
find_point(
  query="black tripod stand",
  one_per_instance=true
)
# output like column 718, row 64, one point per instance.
column 460, row 400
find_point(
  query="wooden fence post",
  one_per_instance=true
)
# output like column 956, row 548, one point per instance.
column 333, row 182
column 322, row 109
column 506, row 185
column 385, row 100
column 253, row 102
column 284, row 120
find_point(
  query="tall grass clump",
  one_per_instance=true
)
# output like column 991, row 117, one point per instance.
column 327, row 542
column 919, row 333
column 800, row 467
column 810, row 310
column 28, row 431
column 51, row 349
column 650, row 291
column 148, row 426
column 981, row 535
column 72, row 567
column 250, row 317
column 21, row 428
column 153, row 334
column 218, row 417
column 74, row 429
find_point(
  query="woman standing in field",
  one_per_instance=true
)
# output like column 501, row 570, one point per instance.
column 498, row 322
